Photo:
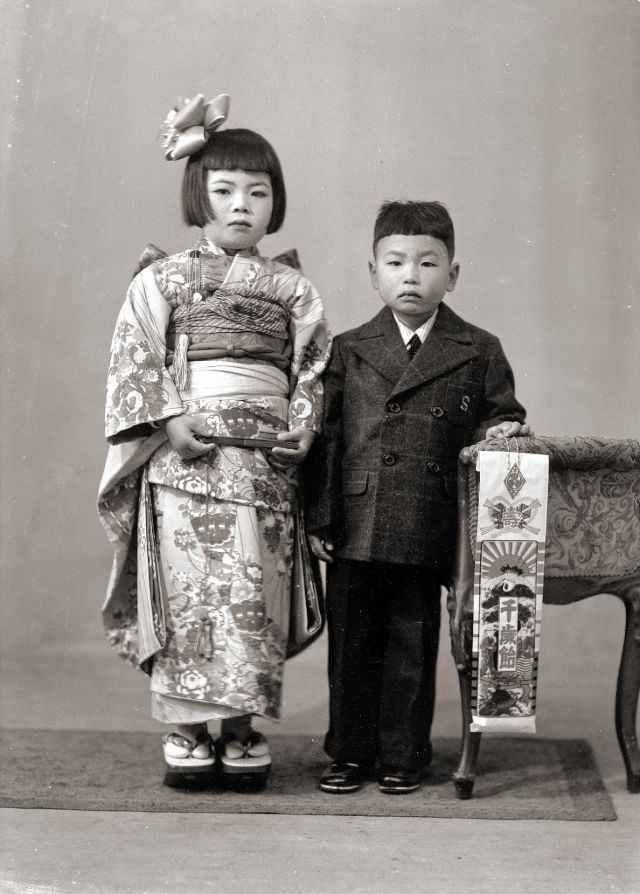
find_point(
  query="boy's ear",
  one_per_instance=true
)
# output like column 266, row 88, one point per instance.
column 373, row 275
column 454, row 273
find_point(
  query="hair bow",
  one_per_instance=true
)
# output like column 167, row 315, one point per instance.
column 186, row 130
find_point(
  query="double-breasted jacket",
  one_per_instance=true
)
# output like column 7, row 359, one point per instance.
column 381, row 479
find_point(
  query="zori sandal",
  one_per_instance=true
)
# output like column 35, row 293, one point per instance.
column 245, row 766
column 185, row 757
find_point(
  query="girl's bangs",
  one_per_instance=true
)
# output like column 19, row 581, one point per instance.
column 233, row 155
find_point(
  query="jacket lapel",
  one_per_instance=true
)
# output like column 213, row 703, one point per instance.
column 380, row 345
column 449, row 345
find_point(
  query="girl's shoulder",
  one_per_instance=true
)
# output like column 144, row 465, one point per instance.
column 168, row 272
column 288, row 259
column 288, row 280
column 171, row 276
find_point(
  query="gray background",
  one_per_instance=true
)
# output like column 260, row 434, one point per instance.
column 520, row 115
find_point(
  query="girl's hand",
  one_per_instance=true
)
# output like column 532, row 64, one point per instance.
column 282, row 458
column 181, row 431
column 508, row 430
column 321, row 548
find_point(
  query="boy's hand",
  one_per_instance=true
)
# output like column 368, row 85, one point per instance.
column 181, row 431
column 321, row 548
column 282, row 457
column 508, row 430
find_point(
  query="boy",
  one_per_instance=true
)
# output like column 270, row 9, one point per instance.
column 403, row 394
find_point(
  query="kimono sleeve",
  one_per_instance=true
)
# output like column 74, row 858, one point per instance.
column 140, row 390
column 311, row 342
column 499, row 399
column 321, row 471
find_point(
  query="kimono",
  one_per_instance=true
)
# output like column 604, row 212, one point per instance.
column 211, row 586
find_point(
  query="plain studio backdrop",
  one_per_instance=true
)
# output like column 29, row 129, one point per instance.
column 520, row 115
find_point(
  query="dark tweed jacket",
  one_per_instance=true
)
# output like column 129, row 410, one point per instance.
column 382, row 476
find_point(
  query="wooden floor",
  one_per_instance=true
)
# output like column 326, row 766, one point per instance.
column 47, row 851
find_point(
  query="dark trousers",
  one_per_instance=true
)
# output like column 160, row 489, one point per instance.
column 383, row 623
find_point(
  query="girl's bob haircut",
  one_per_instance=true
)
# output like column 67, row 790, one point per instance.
column 231, row 150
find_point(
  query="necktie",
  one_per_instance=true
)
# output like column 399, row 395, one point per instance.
column 413, row 345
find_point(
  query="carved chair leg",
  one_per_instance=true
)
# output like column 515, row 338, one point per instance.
column 628, row 688
column 464, row 776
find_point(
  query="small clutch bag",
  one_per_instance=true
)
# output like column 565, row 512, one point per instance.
column 264, row 442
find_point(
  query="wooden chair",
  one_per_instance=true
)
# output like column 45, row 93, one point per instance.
column 593, row 546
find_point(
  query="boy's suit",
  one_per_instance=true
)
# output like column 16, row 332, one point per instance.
column 382, row 480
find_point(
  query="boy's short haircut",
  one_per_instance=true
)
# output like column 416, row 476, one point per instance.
column 415, row 219
column 231, row 150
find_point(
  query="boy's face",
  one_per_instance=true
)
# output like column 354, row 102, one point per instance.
column 412, row 275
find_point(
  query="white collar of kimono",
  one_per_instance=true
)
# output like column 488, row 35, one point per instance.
column 206, row 245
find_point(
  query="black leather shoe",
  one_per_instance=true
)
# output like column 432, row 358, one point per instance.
column 398, row 782
column 341, row 778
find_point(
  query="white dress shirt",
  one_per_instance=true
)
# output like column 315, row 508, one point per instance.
column 422, row 331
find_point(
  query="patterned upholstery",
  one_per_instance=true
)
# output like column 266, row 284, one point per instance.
column 593, row 521
column 593, row 546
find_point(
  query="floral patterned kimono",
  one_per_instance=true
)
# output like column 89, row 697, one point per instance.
column 211, row 586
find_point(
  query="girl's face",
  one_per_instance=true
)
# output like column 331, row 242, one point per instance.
column 242, row 202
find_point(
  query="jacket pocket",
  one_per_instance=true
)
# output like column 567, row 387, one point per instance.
column 355, row 482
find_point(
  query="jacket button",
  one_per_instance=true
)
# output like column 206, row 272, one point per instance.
column 389, row 459
column 437, row 412
column 433, row 467
column 394, row 407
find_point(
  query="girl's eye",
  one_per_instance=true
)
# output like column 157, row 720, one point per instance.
column 220, row 191
column 259, row 194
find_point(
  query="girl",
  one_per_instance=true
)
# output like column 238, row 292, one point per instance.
column 216, row 360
